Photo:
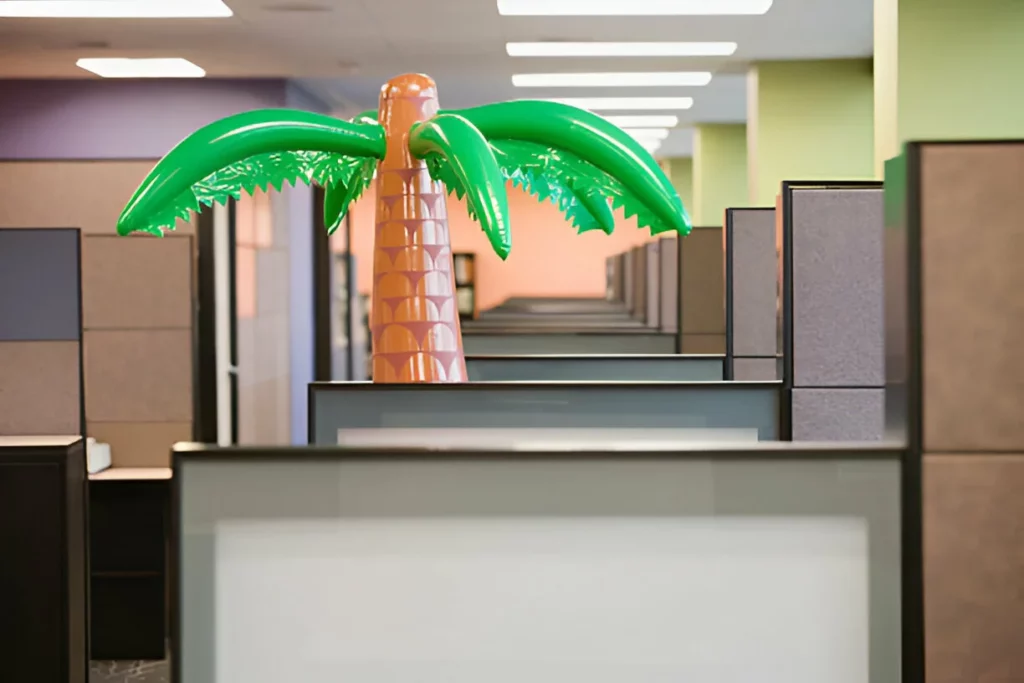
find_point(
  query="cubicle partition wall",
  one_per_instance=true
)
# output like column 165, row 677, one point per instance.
column 955, row 387
column 652, row 285
column 832, row 332
column 628, row 283
column 738, row 411
column 41, row 369
column 751, row 295
column 701, row 299
column 638, row 255
column 668, row 285
column 558, row 564
column 595, row 368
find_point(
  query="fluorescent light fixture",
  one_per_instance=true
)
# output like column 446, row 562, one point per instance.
column 625, row 8
column 638, row 121
column 651, row 146
column 114, row 9
column 628, row 103
column 612, row 79
column 644, row 134
column 173, row 67
column 595, row 49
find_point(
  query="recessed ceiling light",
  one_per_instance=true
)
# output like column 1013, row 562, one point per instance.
column 114, row 9
column 647, row 133
column 628, row 103
column 173, row 67
column 611, row 79
column 622, row 8
column 652, row 121
column 559, row 49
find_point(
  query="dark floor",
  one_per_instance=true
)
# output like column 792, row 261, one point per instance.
column 129, row 672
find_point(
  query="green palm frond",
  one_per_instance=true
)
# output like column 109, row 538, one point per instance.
column 254, row 150
column 342, row 192
column 576, row 158
column 452, row 143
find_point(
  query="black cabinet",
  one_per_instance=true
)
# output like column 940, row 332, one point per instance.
column 43, row 560
column 129, row 538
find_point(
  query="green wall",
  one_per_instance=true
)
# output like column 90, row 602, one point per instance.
column 719, row 171
column 680, row 172
column 960, row 69
column 811, row 120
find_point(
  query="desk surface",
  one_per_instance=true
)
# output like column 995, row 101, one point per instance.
column 132, row 474
column 38, row 441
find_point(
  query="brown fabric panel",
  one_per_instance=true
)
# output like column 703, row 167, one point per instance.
column 69, row 194
column 138, row 375
column 973, row 311
column 704, row 343
column 702, row 282
column 136, row 282
column 974, row 567
column 141, row 444
column 39, row 388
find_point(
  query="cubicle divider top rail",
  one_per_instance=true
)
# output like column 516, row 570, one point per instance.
column 708, row 411
column 521, row 341
column 374, row 562
column 599, row 368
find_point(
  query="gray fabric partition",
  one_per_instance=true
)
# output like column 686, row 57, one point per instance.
column 751, row 296
column 833, row 311
column 652, row 284
column 41, row 373
column 668, row 256
column 639, row 307
column 628, row 284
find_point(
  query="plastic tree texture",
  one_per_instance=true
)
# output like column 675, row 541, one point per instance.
column 418, row 153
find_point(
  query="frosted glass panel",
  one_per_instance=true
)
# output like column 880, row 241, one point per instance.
column 712, row 405
column 548, row 570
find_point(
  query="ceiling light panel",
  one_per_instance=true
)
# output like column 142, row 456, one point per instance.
column 625, row 8
column 595, row 49
column 173, row 67
column 114, row 9
column 644, row 134
column 628, row 103
column 612, row 79
column 641, row 121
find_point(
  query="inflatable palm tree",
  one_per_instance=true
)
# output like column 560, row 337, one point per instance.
column 576, row 159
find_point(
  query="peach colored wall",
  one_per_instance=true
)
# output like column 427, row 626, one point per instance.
column 548, row 257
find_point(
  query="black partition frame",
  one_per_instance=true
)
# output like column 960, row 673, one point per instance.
column 727, row 236
column 911, row 553
column 781, row 421
column 787, row 276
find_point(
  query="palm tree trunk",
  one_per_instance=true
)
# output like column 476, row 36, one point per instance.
column 415, row 320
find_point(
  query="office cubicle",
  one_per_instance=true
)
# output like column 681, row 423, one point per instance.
column 701, row 563
column 624, row 367
column 732, row 410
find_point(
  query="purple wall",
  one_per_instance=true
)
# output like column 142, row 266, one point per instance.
column 119, row 119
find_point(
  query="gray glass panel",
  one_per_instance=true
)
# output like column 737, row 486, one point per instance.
column 244, row 522
column 598, row 368
column 39, row 285
column 724, row 406
column 483, row 344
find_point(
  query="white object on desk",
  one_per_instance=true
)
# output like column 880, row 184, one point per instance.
column 97, row 455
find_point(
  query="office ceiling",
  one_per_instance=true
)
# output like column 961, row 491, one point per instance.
column 342, row 50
